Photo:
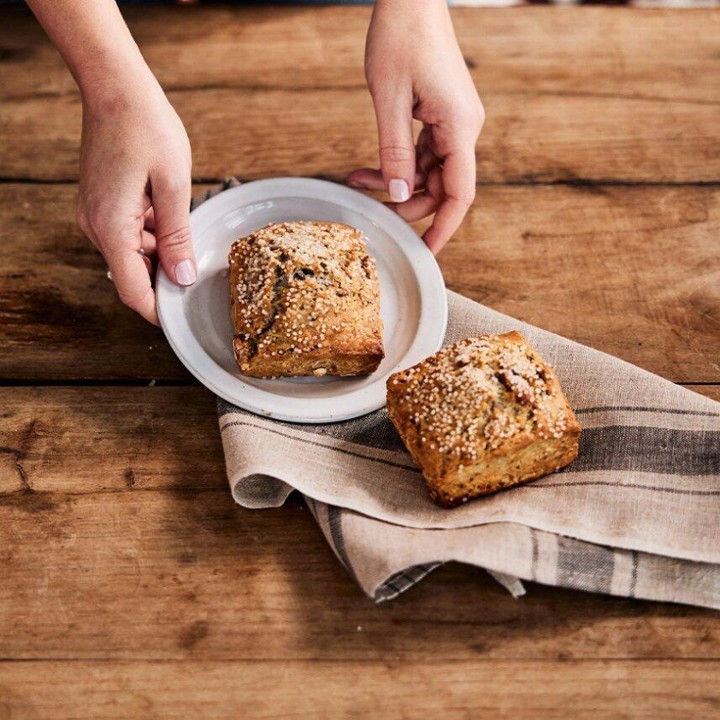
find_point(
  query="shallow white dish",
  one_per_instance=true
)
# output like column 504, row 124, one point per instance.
column 196, row 320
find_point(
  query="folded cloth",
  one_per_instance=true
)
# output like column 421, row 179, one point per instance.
column 637, row 514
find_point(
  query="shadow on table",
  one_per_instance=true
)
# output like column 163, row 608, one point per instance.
column 277, row 591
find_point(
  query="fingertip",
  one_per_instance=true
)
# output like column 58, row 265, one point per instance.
column 366, row 179
column 132, row 279
column 146, row 308
column 177, row 257
column 416, row 208
column 185, row 272
column 434, row 240
column 151, row 315
column 399, row 190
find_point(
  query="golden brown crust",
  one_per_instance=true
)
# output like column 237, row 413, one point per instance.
column 483, row 414
column 305, row 301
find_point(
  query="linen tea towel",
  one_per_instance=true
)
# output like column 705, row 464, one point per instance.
column 637, row 514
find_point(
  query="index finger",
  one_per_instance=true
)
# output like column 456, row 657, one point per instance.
column 132, row 281
column 458, row 177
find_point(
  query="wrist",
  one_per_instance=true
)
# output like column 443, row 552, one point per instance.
column 416, row 18
column 109, row 82
column 94, row 41
column 109, row 69
column 413, row 10
column 412, row 6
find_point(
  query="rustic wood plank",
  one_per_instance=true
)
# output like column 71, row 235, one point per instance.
column 599, row 690
column 59, row 317
column 175, row 574
column 638, row 105
column 120, row 544
column 122, row 504
column 581, row 261
column 85, row 440
column 661, row 53
column 634, row 272
column 47, row 436
column 330, row 132
column 99, row 439
column 711, row 391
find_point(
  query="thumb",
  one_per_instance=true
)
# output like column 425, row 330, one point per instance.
column 397, row 149
column 171, row 207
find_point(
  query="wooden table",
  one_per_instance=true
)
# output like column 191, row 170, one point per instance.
column 132, row 586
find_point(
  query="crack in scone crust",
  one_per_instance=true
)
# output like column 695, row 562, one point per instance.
column 305, row 300
column 281, row 281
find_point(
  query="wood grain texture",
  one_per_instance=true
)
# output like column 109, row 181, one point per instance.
column 85, row 440
column 590, row 93
column 59, row 315
column 116, row 498
column 52, row 440
column 132, row 585
column 632, row 271
column 418, row 690
column 652, row 53
column 254, row 133
column 166, row 575
column 627, row 96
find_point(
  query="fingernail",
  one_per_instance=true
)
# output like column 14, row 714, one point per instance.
column 185, row 272
column 399, row 190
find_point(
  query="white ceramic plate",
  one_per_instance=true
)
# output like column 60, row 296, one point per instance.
column 196, row 320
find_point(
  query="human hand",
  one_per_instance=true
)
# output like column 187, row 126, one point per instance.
column 415, row 69
column 135, row 186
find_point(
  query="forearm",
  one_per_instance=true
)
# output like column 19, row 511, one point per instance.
column 408, row 12
column 417, row 23
column 95, row 43
column 412, row 6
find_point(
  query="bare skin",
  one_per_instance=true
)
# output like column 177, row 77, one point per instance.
column 415, row 70
column 135, row 159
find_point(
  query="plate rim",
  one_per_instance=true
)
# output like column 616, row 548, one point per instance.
column 376, row 213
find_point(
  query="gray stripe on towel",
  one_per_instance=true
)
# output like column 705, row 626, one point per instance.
column 612, row 447
column 535, row 553
column 336, row 533
column 634, row 573
column 374, row 430
column 335, row 448
column 583, row 566
column 630, row 408
column 649, row 449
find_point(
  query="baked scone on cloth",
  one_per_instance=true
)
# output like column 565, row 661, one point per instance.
column 305, row 301
column 481, row 415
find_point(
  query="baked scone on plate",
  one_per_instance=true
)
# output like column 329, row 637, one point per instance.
column 481, row 415
column 305, row 300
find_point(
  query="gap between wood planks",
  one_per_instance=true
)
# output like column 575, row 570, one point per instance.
column 208, row 87
column 334, row 661
column 180, row 382
column 528, row 182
